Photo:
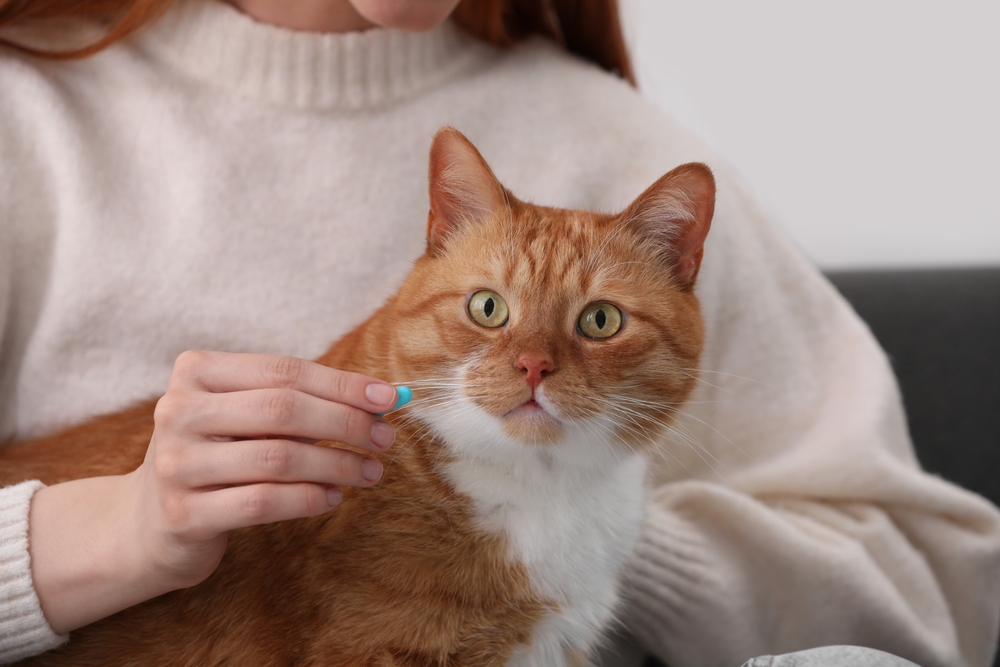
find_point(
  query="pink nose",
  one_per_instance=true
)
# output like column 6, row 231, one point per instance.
column 536, row 365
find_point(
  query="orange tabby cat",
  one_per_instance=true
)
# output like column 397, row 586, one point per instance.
column 548, row 349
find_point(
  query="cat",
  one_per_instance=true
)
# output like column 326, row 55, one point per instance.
column 549, row 350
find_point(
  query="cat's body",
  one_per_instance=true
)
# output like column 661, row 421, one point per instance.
column 514, row 492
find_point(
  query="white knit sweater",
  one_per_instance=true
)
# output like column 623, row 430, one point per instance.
column 219, row 184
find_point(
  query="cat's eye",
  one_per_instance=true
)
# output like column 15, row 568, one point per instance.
column 488, row 309
column 600, row 320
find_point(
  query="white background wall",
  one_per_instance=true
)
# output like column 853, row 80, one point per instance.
column 869, row 128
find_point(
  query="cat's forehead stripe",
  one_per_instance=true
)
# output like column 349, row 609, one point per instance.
column 553, row 249
column 544, row 250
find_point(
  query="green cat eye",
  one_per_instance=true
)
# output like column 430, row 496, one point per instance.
column 600, row 320
column 488, row 309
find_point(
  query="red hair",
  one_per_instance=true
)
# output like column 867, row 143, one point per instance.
column 123, row 17
column 589, row 28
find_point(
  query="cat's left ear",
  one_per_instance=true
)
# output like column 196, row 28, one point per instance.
column 675, row 213
column 463, row 188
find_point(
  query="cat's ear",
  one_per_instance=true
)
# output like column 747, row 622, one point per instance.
column 674, row 214
column 463, row 188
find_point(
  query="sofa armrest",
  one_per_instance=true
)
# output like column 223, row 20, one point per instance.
column 941, row 329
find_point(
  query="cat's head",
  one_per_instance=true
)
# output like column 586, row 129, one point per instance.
column 525, row 325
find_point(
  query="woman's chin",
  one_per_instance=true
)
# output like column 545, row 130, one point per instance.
column 406, row 14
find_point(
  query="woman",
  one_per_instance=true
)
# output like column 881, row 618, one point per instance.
column 251, row 178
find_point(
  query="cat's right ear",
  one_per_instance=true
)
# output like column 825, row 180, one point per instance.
column 463, row 188
column 674, row 214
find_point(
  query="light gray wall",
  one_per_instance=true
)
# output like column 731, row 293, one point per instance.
column 869, row 128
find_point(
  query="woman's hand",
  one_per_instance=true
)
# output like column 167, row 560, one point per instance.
column 231, row 447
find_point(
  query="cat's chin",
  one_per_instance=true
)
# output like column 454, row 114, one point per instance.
column 532, row 424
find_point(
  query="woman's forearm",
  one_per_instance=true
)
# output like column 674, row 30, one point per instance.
column 84, row 562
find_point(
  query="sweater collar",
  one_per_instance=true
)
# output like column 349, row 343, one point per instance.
column 216, row 43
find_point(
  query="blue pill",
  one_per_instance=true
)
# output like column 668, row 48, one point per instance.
column 403, row 396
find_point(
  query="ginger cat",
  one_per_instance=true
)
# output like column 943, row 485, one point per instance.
column 548, row 350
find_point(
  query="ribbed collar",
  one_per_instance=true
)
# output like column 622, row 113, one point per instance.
column 216, row 43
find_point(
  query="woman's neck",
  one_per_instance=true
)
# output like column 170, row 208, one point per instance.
column 217, row 44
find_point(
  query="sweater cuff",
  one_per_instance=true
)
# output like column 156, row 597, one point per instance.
column 23, row 629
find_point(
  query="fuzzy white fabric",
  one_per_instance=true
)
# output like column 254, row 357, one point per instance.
column 215, row 183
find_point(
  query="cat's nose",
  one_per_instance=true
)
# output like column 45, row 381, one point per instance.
column 535, row 365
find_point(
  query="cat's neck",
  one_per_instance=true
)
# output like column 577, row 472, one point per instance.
column 558, row 520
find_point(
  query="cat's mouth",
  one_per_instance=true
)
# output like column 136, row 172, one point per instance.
column 531, row 409
column 532, row 424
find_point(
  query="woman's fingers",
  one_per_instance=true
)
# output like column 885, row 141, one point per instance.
column 285, row 413
column 214, row 512
column 261, row 461
column 222, row 372
column 227, row 451
column 227, row 395
column 227, row 447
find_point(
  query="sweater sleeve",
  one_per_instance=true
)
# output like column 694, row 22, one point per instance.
column 789, row 510
column 23, row 629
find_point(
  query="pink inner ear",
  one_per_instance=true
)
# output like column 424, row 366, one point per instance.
column 463, row 188
column 676, row 212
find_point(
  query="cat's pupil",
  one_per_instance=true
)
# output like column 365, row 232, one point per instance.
column 488, row 307
column 601, row 319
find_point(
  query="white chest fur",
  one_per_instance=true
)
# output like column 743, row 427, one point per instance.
column 570, row 513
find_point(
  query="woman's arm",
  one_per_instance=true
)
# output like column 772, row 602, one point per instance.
column 231, row 448
column 791, row 512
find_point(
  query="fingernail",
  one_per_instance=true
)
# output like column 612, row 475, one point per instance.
column 380, row 394
column 371, row 470
column 334, row 496
column 403, row 396
column 383, row 434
